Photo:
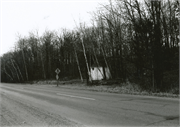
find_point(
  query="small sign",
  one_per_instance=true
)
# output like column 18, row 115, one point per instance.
column 57, row 71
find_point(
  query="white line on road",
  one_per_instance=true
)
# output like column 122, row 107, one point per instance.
column 76, row 96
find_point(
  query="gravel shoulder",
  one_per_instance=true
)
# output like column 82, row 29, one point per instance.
column 16, row 113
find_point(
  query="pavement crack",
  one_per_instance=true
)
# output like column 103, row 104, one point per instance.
column 166, row 118
column 164, row 105
column 150, row 124
column 171, row 117
column 128, row 100
column 148, row 113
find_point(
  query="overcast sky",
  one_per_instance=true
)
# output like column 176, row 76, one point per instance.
column 24, row 16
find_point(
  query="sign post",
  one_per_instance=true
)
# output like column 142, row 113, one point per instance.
column 57, row 76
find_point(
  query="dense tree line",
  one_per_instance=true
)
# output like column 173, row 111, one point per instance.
column 137, row 41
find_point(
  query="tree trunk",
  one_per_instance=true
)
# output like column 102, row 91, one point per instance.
column 43, row 70
column 8, row 74
column 104, row 55
column 89, row 74
column 78, row 64
column 15, row 70
column 25, row 64
column 103, row 74
column 11, row 72
column 19, row 71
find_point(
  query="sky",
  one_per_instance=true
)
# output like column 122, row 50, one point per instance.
column 24, row 16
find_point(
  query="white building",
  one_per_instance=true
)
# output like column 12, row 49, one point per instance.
column 97, row 73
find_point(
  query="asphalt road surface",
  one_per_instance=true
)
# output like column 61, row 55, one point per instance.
column 46, row 105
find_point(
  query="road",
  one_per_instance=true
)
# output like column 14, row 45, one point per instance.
column 46, row 105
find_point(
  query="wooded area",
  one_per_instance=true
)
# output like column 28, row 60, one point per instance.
column 137, row 41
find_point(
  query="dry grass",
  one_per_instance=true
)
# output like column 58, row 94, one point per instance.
column 121, row 88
